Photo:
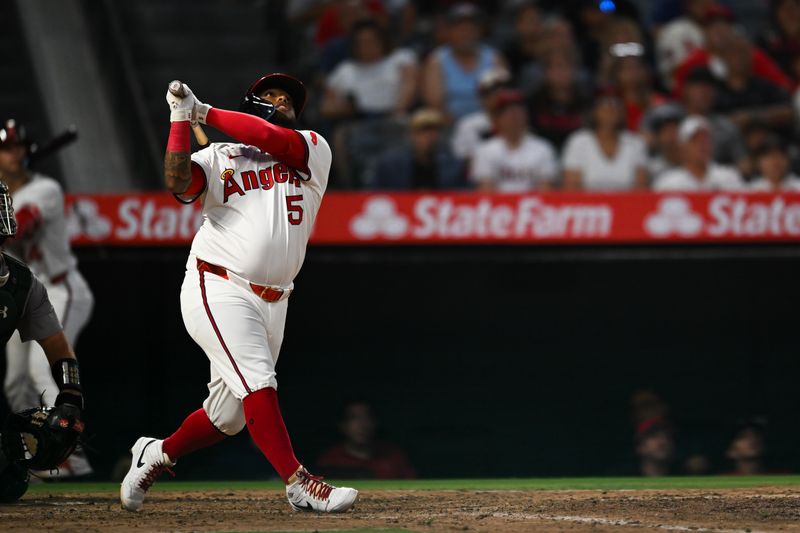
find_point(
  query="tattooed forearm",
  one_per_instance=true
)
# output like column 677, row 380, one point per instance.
column 177, row 171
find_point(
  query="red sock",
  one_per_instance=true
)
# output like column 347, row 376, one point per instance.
column 195, row 433
column 265, row 423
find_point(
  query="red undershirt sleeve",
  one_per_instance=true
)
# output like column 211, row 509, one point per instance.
column 284, row 144
column 196, row 187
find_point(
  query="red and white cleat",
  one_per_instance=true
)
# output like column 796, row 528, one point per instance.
column 148, row 461
column 310, row 493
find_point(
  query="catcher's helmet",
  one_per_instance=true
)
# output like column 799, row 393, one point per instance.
column 8, row 222
column 12, row 132
column 252, row 103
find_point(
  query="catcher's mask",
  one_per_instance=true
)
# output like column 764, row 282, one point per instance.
column 8, row 222
column 253, row 104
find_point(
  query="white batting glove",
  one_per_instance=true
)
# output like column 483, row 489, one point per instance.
column 181, row 107
column 199, row 112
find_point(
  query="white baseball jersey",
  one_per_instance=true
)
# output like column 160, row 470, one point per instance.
column 48, row 253
column 514, row 169
column 257, row 212
column 791, row 182
column 717, row 178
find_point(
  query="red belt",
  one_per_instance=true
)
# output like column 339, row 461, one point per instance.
column 265, row 292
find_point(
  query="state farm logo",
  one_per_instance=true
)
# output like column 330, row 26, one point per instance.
column 478, row 217
column 674, row 216
column 84, row 219
column 379, row 219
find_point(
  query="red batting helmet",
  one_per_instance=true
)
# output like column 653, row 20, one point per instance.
column 293, row 87
column 12, row 133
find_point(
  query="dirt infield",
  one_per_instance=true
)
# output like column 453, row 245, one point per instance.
column 757, row 509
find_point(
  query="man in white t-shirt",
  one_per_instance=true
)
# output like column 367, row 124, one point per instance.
column 470, row 131
column 514, row 160
column 698, row 172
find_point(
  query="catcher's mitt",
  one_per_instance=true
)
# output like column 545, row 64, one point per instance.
column 42, row 438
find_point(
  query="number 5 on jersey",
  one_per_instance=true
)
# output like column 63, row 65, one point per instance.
column 295, row 210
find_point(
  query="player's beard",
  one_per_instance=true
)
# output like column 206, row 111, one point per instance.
column 280, row 119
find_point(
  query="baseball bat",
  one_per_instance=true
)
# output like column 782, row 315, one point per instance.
column 176, row 88
column 37, row 153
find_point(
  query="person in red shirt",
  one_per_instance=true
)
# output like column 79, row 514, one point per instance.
column 719, row 33
column 361, row 455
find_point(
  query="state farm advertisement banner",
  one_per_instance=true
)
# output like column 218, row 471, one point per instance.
column 468, row 218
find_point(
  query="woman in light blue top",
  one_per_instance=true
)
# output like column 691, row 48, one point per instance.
column 453, row 70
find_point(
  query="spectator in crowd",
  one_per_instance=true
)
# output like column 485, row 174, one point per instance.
column 361, row 455
column 424, row 162
column 699, row 98
column 363, row 96
column 338, row 17
column 745, row 98
column 376, row 80
column 452, row 71
column 515, row 159
column 782, row 40
column 665, row 147
column 655, row 447
column 747, row 450
column 604, row 156
column 558, row 107
column 623, row 38
column 718, row 34
column 679, row 38
column 698, row 172
column 598, row 25
column 631, row 75
column 773, row 167
column 472, row 129
column 524, row 50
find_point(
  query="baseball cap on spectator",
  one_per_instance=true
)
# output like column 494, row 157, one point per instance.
column 663, row 115
column 701, row 75
column 463, row 11
column 426, row 118
column 718, row 12
column 771, row 144
column 506, row 98
column 492, row 79
column 651, row 426
column 691, row 125
column 606, row 91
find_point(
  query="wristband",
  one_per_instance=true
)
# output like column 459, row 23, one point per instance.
column 179, row 140
column 67, row 374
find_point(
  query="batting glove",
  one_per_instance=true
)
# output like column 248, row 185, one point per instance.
column 181, row 107
column 200, row 112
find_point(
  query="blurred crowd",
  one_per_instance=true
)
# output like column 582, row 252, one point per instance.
column 661, row 448
column 521, row 95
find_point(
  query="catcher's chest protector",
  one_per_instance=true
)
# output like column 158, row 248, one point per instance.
column 12, row 297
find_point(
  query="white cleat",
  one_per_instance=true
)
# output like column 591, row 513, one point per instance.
column 310, row 493
column 148, row 461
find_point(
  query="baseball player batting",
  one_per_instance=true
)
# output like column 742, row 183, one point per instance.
column 260, row 197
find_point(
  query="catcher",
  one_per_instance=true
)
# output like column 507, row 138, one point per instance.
column 40, row 438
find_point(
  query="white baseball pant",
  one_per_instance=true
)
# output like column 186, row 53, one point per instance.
column 240, row 333
column 29, row 380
